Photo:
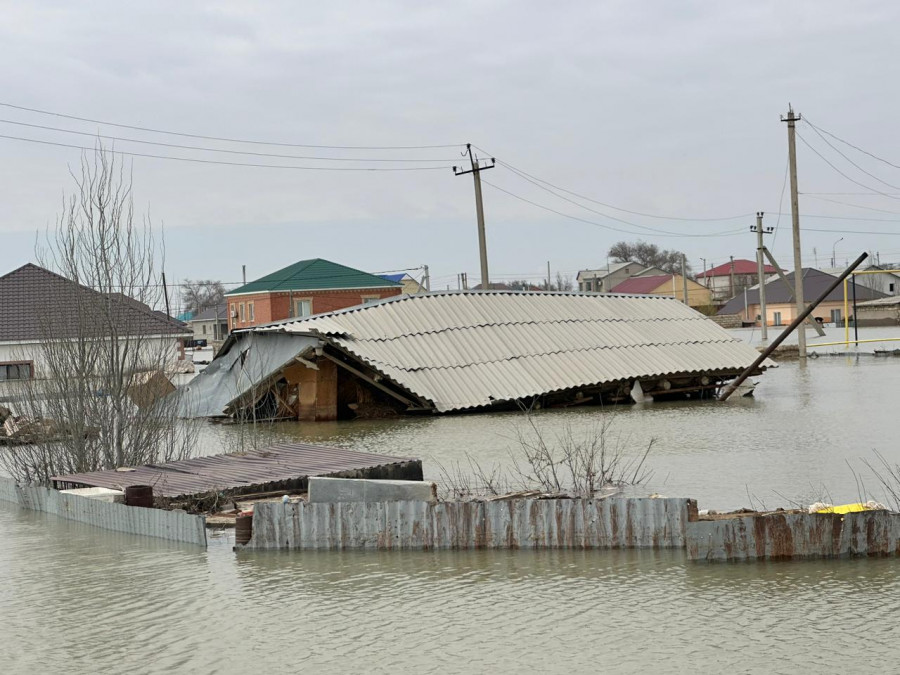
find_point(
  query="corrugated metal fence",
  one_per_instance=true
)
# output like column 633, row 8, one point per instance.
column 514, row 523
column 171, row 525
column 788, row 536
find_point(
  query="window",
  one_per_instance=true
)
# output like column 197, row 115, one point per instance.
column 890, row 288
column 203, row 327
column 242, row 313
column 835, row 316
column 303, row 308
column 16, row 371
column 250, row 311
column 233, row 311
column 370, row 300
column 776, row 318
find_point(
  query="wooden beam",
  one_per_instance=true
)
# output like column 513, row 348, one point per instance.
column 361, row 375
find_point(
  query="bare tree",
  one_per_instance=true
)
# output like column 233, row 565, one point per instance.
column 649, row 255
column 100, row 384
column 200, row 294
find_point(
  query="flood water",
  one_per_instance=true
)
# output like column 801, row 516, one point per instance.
column 81, row 600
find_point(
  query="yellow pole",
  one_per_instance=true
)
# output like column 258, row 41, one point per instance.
column 846, row 323
column 831, row 344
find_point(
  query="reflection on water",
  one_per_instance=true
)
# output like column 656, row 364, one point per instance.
column 78, row 599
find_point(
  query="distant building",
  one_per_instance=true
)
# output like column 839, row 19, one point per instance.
column 727, row 280
column 602, row 280
column 410, row 285
column 879, row 279
column 211, row 324
column 880, row 312
column 669, row 285
column 37, row 305
column 302, row 289
column 781, row 309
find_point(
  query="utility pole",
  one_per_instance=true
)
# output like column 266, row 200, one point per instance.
column 476, row 170
column 705, row 277
column 427, row 279
column 166, row 293
column 731, row 277
column 684, row 279
column 761, row 272
column 791, row 120
column 548, row 276
column 244, row 273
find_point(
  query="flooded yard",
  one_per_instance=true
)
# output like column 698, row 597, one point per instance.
column 79, row 599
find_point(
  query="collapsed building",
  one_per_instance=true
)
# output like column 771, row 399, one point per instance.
column 468, row 351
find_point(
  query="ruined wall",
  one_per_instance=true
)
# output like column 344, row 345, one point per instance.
column 505, row 524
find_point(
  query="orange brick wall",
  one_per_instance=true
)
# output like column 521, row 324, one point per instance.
column 276, row 306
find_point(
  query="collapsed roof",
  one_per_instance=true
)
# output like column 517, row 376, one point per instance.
column 451, row 351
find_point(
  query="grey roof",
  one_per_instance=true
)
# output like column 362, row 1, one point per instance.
column 888, row 301
column 469, row 349
column 220, row 312
column 814, row 283
column 244, row 361
column 36, row 303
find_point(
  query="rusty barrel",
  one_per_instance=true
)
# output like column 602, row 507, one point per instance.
column 243, row 529
column 139, row 495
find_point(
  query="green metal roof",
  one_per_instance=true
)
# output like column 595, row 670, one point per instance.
column 314, row 275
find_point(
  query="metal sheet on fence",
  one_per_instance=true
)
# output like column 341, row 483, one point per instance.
column 171, row 525
column 514, row 523
column 795, row 536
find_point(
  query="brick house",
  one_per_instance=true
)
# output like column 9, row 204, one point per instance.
column 304, row 288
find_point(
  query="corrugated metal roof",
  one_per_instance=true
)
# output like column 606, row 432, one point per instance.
column 470, row 349
column 741, row 266
column 251, row 469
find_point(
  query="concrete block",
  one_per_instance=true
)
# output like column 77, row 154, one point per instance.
column 363, row 490
column 98, row 493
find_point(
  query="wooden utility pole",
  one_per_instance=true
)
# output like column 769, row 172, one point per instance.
column 731, row 279
column 761, row 272
column 791, row 120
column 684, row 279
column 476, row 170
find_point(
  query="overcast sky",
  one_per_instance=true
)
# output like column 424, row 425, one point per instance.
column 661, row 108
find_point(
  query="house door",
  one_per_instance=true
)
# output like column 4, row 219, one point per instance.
column 836, row 316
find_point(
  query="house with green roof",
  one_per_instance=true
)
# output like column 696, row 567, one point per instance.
column 302, row 289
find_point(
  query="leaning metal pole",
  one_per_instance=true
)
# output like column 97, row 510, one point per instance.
column 734, row 384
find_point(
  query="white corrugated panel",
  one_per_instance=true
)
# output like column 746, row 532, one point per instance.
column 468, row 349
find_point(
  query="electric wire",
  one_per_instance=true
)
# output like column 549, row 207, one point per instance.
column 849, row 144
column 829, row 144
column 225, row 163
column 229, row 140
column 602, row 225
column 855, row 206
column 524, row 174
column 852, row 180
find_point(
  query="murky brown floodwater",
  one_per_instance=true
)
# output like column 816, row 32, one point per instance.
column 78, row 599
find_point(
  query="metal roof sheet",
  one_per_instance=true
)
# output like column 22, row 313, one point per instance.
column 248, row 470
column 315, row 274
column 469, row 349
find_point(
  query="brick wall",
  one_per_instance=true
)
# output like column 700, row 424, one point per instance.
column 276, row 306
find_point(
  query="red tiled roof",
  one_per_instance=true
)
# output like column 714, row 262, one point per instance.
column 638, row 285
column 741, row 266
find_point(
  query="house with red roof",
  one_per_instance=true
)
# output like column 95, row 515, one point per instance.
column 671, row 285
column 730, row 279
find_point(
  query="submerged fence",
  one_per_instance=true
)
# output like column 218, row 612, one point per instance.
column 171, row 525
column 511, row 524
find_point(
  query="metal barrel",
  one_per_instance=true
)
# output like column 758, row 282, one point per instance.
column 243, row 529
column 139, row 495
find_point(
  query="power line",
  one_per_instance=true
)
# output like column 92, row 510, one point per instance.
column 222, row 150
column 230, row 140
column 852, row 180
column 224, row 163
column 533, row 178
column 855, row 206
column 871, row 175
column 604, row 226
column 849, row 144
